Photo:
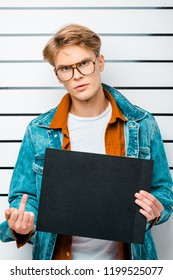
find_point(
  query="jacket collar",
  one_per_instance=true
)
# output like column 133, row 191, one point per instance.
column 59, row 120
column 129, row 111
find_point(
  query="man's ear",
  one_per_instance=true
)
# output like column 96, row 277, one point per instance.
column 54, row 69
column 101, row 62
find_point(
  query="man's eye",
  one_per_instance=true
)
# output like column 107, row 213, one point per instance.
column 64, row 69
column 84, row 63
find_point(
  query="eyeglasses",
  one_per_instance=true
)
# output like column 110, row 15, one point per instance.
column 84, row 67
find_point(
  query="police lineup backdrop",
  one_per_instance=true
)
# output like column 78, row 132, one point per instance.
column 137, row 41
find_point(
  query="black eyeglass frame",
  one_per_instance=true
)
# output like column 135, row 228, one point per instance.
column 76, row 67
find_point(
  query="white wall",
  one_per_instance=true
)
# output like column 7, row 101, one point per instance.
column 137, row 41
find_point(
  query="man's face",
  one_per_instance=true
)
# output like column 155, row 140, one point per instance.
column 80, row 87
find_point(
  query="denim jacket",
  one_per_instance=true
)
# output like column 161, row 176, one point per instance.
column 142, row 140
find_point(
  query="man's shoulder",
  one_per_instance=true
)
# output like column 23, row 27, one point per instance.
column 148, row 115
column 44, row 119
column 131, row 111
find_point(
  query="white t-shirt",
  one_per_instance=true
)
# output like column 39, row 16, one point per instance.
column 87, row 134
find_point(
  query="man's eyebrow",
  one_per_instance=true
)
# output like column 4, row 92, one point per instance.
column 67, row 65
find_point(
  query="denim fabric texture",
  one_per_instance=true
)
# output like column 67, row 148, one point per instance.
column 142, row 139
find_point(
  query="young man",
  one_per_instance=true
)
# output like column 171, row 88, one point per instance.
column 92, row 117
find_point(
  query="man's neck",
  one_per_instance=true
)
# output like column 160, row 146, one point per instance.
column 91, row 107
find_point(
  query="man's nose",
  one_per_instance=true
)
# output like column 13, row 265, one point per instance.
column 77, row 74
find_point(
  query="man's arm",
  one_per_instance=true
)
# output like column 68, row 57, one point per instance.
column 157, row 206
column 23, row 182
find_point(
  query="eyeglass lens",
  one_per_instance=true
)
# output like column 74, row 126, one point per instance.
column 85, row 67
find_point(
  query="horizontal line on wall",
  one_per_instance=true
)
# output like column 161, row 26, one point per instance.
column 20, row 115
column 22, row 61
column 31, row 88
column 163, row 114
column 145, row 88
column 60, row 88
column 106, row 60
column 37, row 114
column 3, row 194
column 135, row 34
column 20, row 141
column 10, row 141
column 100, row 34
column 90, row 8
column 11, row 168
column 6, row 167
column 138, row 61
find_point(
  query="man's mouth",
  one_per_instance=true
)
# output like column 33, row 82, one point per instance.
column 81, row 87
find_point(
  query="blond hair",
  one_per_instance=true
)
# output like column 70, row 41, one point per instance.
column 72, row 34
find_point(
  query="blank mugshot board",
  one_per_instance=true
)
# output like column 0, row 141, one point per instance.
column 137, row 42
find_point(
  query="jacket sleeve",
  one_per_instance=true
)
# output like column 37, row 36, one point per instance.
column 23, row 181
column 161, row 180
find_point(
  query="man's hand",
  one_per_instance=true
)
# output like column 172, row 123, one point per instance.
column 150, row 206
column 19, row 220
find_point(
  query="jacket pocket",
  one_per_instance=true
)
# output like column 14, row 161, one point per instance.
column 144, row 153
column 37, row 167
column 38, row 164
